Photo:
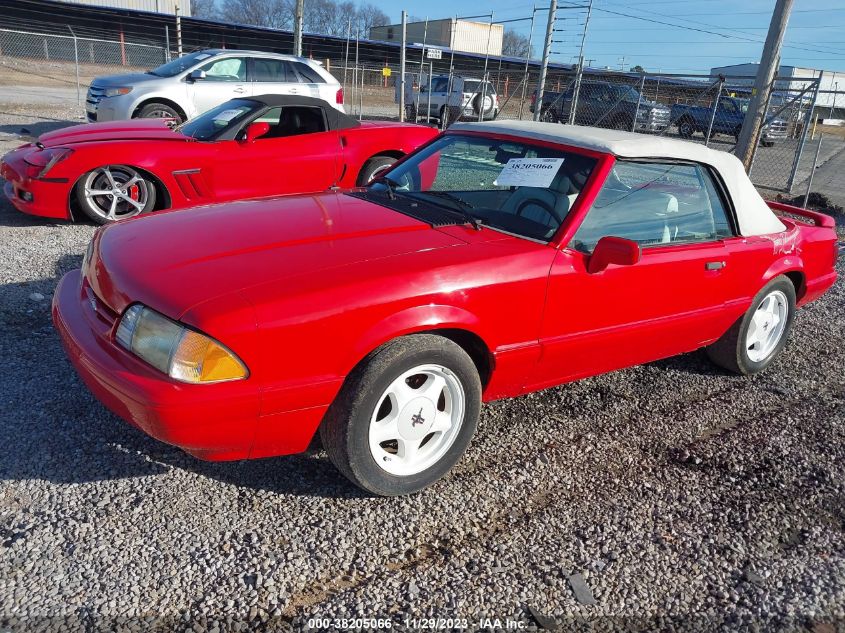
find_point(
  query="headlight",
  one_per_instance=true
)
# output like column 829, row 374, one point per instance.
column 173, row 349
column 43, row 161
column 114, row 92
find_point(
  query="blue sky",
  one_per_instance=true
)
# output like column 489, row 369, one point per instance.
column 728, row 31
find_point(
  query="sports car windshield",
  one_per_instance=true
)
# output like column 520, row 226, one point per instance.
column 208, row 126
column 516, row 187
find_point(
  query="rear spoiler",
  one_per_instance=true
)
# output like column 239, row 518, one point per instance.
column 819, row 219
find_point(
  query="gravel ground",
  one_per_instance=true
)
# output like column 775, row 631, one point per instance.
column 667, row 497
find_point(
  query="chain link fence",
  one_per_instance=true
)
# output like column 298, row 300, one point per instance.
column 698, row 108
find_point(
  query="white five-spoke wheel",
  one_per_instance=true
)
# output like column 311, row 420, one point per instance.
column 115, row 192
column 417, row 420
column 760, row 334
column 404, row 415
column 767, row 326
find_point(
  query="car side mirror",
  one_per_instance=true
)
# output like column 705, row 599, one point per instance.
column 197, row 75
column 613, row 250
column 254, row 131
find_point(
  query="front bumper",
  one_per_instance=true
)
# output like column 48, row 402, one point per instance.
column 213, row 422
column 49, row 197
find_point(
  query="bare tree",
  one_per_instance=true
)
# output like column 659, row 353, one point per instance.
column 515, row 44
column 368, row 16
column 206, row 9
column 276, row 14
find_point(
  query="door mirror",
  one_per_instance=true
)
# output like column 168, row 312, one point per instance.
column 254, row 131
column 613, row 250
column 197, row 75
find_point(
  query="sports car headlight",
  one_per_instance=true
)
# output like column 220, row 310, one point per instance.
column 173, row 349
column 114, row 92
column 41, row 162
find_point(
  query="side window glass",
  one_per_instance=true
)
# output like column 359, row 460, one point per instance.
column 295, row 120
column 728, row 106
column 439, row 85
column 307, row 74
column 271, row 70
column 655, row 204
column 230, row 69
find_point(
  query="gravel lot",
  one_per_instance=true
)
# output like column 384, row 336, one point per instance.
column 665, row 497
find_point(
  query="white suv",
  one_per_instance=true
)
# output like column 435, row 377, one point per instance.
column 190, row 85
column 469, row 97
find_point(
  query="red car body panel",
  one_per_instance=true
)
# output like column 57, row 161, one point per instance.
column 196, row 173
column 303, row 288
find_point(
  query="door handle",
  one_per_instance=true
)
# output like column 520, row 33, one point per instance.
column 239, row 90
column 715, row 265
column 293, row 91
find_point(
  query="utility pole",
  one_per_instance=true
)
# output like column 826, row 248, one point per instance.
column 753, row 123
column 544, row 66
column 577, row 89
column 402, row 66
column 298, row 14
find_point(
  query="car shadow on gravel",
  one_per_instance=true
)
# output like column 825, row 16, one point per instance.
column 28, row 129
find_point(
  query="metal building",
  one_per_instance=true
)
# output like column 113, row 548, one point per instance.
column 460, row 35
column 153, row 6
column 794, row 80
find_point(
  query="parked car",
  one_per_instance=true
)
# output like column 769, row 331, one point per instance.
column 467, row 97
column 604, row 104
column 384, row 316
column 190, row 85
column 730, row 113
column 244, row 148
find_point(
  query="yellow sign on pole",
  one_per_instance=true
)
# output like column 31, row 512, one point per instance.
column 385, row 72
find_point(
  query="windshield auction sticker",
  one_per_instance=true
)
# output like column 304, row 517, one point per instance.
column 227, row 115
column 529, row 172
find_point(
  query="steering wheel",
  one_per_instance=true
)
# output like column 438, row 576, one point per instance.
column 545, row 206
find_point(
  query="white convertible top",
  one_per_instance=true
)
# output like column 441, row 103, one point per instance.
column 754, row 215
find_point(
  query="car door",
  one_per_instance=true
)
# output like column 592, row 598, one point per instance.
column 225, row 78
column 298, row 155
column 273, row 76
column 728, row 116
column 674, row 299
column 439, row 87
column 586, row 110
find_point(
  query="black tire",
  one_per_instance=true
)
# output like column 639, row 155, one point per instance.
column 346, row 426
column 450, row 115
column 686, row 128
column 730, row 351
column 736, row 132
column 372, row 167
column 159, row 111
column 97, row 207
column 549, row 115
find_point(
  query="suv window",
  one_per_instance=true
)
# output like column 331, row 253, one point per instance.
column 272, row 70
column 229, row 69
column 439, row 84
column 728, row 106
column 308, row 75
column 475, row 86
column 655, row 204
column 292, row 121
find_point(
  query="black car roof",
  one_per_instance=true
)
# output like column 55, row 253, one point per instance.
column 336, row 119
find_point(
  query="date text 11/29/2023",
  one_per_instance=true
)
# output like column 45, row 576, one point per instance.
column 431, row 624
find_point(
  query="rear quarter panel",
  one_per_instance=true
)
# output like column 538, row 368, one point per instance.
column 362, row 143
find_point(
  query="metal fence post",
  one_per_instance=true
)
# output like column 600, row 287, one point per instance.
column 813, row 171
column 402, row 66
column 713, row 111
column 167, row 43
column 806, row 126
column 75, row 62
column 639, row 101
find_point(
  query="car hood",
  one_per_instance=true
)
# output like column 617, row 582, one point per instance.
column 128, row 79
column 136, row 129
column 174, row 260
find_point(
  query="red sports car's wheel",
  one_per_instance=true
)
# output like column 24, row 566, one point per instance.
column 115, row 192
column 405, row 415
column 756, row 339
column 373, row 167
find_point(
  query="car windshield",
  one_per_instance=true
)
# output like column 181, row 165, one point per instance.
column 210, row 125
column 626, row 93
column 179, row 65
column 512, row 186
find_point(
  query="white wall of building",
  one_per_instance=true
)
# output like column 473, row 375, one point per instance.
column 156, row 6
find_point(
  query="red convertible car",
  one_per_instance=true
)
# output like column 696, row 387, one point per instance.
column 499, row 259
column 245, row 148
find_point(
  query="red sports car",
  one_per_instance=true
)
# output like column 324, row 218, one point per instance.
column 499, row 259
column 245, row 148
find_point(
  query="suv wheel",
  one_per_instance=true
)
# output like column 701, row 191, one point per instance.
column 158, row 111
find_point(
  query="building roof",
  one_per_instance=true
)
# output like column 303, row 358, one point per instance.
column 753, row 214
